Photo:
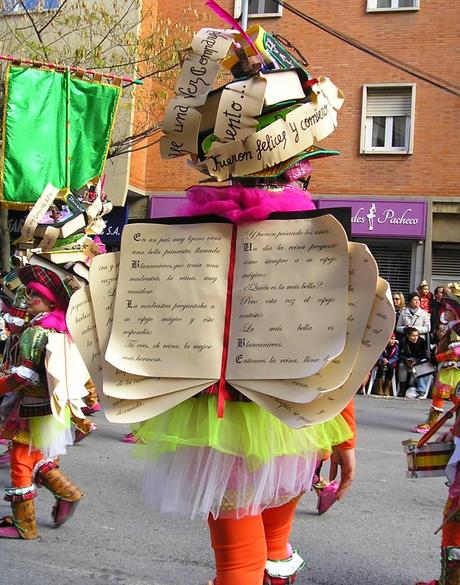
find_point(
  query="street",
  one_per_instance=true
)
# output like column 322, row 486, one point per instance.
column 381, row 534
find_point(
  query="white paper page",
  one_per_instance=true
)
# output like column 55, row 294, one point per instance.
column 118, row 384
column 326, row 406
column 290, row 297
column 361, row 292
column 170, row 303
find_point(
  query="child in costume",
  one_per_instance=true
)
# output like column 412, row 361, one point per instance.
column 447, row 383
column 38, row 439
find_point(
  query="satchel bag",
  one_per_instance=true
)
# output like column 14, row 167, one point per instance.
column 423, row 369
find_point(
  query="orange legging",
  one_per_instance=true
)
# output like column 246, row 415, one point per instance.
column 241, row 547
column 23, row 462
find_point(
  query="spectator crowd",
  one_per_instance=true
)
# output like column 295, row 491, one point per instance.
column 408, row 365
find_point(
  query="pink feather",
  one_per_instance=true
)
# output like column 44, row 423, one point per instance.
column 224, row 15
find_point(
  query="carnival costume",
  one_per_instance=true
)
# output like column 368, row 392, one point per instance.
column 215, row 452
column 38, row 438
column 245, row 471
column 450, row 541
column 447, row 382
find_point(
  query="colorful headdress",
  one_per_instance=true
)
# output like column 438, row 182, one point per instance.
column 260, row 124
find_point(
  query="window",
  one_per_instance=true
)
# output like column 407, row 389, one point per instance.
column 16, row 7
column 258, row 8
column 386, row 5
column 387, row 125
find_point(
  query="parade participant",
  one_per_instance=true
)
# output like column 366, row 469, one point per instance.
column 244, row 470
column 450, row 541
column 38, row 439
column 448, row 357
column 240, row 472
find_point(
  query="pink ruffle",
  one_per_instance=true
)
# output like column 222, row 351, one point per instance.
column 54, row 320
column 239, row 203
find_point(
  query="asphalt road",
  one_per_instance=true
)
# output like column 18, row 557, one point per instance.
column 381, row 534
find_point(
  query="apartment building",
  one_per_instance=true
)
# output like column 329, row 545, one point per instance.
column 397, row 132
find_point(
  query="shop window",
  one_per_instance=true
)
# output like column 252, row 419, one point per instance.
column 16, row 7
column 387, row 125
column 386, row 5
column 258, row 8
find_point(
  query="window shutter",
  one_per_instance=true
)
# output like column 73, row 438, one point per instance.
column 394, row 263
column 445, row 265
column 389, row 101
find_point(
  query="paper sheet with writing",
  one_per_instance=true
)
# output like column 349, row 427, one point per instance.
column 379, row 327
column 363, row 275
column 170, row 304
column 119, row 384
column 82, row 326
column 290, row 297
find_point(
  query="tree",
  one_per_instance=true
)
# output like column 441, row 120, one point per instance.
column 106, row 36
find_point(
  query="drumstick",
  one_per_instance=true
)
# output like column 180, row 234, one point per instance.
column 437, row 425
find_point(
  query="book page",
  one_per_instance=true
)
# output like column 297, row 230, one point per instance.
column 118, row 384
column 290, row 298
column 82, row 327
column 378, row 330
column 170, row 302
column 363, row 275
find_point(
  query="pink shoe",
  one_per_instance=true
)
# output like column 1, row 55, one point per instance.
column 62, row 511
column 434, row 582
column 8, row 530
column 327, row 497
column 5, row 458
column 129, row 438
column 80, row 435
column 90, row 410
column 421, row 429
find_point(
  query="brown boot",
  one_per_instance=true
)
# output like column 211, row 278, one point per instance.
column 450, row 572
column 378, row 387
column 67, row 494
column 432, row 417
column 22, row 523
column 387, row 390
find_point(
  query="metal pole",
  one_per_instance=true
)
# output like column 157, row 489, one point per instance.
column 244, row 14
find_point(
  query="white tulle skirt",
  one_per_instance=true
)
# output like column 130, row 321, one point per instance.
column 198, row 464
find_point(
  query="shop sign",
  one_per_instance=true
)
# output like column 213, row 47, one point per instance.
column 114, row 223
column 383, row 218
column 165, row 206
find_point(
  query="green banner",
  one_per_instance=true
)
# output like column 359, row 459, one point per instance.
column 39, row 103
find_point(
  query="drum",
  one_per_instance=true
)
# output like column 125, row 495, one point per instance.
column 429, row 460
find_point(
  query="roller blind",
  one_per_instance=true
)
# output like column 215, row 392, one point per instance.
column 445, row 264
column 388, row 101
column 394, row 262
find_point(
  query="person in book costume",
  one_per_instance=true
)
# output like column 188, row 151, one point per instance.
column 38, row 438
column 219, row 455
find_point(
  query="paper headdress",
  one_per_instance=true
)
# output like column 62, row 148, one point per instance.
column 259, row 124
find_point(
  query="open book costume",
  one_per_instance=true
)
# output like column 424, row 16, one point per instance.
column 38, row 438
column 217, row 454
column 220, row 413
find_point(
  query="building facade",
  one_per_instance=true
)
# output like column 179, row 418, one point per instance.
column 397, row 134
